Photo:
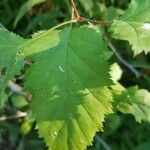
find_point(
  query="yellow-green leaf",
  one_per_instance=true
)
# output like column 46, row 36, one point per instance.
column 68, row 82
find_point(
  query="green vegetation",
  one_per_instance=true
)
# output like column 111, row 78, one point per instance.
column 74, row 75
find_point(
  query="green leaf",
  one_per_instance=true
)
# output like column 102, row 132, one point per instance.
column 143, row 146
column 134, row 101
column 25, row 8
column 113, row 13
column 68, row 82
column 19, row 101
column 115, row 72
column 134, row 26
column 11, row 59
column 87, row 5
column 26, row 126
column 63, row 5
column 42, row 21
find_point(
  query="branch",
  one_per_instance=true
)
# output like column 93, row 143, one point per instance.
column 123, row 61
column 19, row 114
column 1, row 26
column 82, row 19
column 75, row 9
column 101, row 22
column 100, row 140
column 72, row 15
column 15, row 88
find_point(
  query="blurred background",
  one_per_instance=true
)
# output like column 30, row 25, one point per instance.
column 121, row 132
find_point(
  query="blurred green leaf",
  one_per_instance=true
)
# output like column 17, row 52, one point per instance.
column 25, row 8
column 143, row 146
column 115, row 72
column 112, row 123
column 26, row 127
column 113, row 13
column 44, row 21
column 19, row 101
column 87, row 5
column 134, row 101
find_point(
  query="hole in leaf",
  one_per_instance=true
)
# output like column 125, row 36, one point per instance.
column 28, row 62
column 3, row 71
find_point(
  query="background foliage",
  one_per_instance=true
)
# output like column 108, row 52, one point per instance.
column 120, row 131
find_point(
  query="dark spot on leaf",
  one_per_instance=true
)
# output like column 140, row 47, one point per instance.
column 3, row 71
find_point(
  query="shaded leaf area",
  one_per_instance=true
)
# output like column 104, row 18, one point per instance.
column 13, row 135
column 134, row 136
column 69, row 78
column 134, row 26
column 11, row 59
column 44, row 21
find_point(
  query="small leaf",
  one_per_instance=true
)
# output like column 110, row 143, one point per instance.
column 25, row 8
column 113, row 13
column 115, row 72
column 43, row 20
column 134, row 101
column 134, row 26
column 11, row 59
column 68, row 82
column 87, row 5
column 19, row 101
column 26, row 126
